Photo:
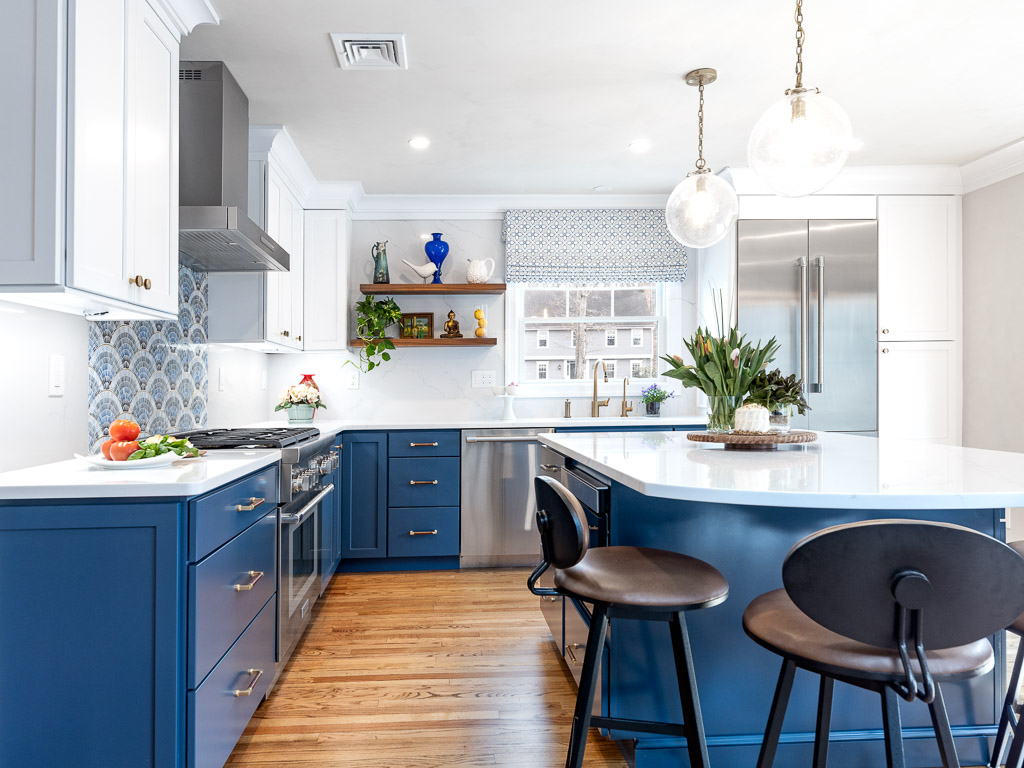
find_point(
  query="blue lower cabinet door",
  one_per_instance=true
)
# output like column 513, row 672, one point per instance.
column 423, row 532
column 364, row 494
column 220, row 708
column 430, row 482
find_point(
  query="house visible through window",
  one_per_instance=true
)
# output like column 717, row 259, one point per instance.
column 562, row 331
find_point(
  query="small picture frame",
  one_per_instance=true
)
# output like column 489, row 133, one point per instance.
column 417, row 325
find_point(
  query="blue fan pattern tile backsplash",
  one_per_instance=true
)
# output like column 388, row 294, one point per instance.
column 151, row 371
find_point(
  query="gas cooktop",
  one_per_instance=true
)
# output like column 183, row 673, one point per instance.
column 263, row 437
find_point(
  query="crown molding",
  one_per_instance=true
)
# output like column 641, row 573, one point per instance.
column 994, row 167
column 870, row 180
column 186, row 15
column 427, row 207
column 274, row 144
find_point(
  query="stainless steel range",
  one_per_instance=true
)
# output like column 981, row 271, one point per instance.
column 306, row 459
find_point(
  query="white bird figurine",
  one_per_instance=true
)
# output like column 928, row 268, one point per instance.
column 426, row 271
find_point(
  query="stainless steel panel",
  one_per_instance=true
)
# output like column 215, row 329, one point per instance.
column 844, row 254
column 551, row 609
column 769, row 288
column 574, row 647
column 498, row 507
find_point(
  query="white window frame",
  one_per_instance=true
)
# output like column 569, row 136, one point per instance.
column 542, row 365
column 542, row 336
column 612, row 368
column 613, row 334
column 637, row 337
column 633, row 365
column 673, row 326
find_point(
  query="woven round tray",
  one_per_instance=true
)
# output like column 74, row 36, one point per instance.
column 734, row 441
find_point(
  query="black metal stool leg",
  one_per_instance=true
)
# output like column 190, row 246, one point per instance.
column 824, row 721
column 1015, row 758
column 943, row 734
column 1003, row 732
column 777, row 714
column 693, row 722
column 893, row 729
column 588, row 683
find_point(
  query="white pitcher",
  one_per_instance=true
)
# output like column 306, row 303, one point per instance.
column 478, row 271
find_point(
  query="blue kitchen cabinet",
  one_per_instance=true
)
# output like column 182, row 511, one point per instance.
column 649, row 427
column 364, row 505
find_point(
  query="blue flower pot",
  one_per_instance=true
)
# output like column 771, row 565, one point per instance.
column 436, row 250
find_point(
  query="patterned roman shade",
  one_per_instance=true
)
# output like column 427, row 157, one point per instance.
column 630, row 245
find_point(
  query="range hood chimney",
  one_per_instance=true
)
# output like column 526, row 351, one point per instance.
column 215, row 232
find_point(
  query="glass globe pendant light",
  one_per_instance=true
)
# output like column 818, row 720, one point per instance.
column 801, row 142
column 703, row 207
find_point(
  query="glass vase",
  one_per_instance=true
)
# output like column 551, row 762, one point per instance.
column 722, row 412
column 653, row 409
column 779, row 419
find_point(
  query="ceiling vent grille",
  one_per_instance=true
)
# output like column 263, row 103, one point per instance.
column 373, row 51
column 190, row 74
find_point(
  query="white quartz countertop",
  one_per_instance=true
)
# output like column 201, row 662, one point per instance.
column 838, row 471
column 327, row 425
column 77, row 479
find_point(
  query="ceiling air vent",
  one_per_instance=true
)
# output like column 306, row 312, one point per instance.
column 190, row 74
column 377, row 51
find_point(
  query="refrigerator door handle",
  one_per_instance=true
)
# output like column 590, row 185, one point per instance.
column 804, row 309
column 820, row 384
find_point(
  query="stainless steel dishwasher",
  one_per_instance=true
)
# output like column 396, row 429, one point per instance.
column 498, row 508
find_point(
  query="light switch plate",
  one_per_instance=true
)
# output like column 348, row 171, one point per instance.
column 351, row 377
column 483, row 378
column 56, row 382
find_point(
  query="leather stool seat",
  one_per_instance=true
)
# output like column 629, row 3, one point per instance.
column 640, row 577
column 773, row 621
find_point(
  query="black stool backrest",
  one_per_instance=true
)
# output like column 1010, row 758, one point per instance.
column 562, row 523
column 852, row 579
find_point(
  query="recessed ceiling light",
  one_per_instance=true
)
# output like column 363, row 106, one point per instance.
column 640, row 146
column 602, row 188
column 419, row 142
column 855, row 144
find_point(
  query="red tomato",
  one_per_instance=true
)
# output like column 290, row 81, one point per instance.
column 106, row 449
column 123, row 429
column 122, row 449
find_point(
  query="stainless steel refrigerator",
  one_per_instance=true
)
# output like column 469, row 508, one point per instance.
column 814, row 286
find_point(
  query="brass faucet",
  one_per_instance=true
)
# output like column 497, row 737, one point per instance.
column 626, row 408
column 596, row 405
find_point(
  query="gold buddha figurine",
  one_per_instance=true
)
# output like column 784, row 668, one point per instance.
column 451, row 327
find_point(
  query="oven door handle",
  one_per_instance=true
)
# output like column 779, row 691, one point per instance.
column 299, row 516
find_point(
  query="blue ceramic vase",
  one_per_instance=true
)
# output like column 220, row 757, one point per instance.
column 436, row 250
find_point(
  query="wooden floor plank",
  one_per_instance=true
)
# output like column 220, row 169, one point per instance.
column 418, row 670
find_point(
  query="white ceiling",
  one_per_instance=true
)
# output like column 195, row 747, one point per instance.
column 543, row 96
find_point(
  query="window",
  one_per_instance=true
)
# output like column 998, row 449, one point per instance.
column 561, row 331
column 638, row 337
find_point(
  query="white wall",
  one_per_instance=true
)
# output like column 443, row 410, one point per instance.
column 37, row 428
column 238, row 386
column 993, row 231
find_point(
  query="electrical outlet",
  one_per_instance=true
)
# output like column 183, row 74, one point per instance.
column 56, row 388
column 351, row 377
column 483, row 378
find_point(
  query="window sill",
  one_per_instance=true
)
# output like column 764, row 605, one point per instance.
column 585, row 389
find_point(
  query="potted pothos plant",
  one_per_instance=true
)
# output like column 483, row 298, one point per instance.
column 780, row 395
column 373, row 318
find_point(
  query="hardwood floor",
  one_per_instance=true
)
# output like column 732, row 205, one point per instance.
column 410, row 670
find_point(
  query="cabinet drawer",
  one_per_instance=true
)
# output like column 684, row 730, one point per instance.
column 216, row 715
column 216, row 518
column 434, row 443
column 423, row 532
column 217, row 611
column 423, row 482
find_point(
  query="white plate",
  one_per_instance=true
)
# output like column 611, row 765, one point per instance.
column 157, row 461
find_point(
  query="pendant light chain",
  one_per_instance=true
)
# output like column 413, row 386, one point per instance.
column 700, row 129
column 799, row 16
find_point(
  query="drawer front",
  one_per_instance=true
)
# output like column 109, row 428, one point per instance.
column 217, row 611
column 416, row 444
column 423, row 482
column 216, row 518
column 411, row 532
column 216, row 716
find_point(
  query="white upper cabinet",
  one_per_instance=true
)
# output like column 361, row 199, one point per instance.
column 101, row 111
column 325, row 269
column 918, row 268
column 284, row 289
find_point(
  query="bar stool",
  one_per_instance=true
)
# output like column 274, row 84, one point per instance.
column 860, row 599
column 1010, row 715
column 623, row 582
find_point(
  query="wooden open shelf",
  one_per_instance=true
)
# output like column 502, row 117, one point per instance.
column 397, row 289
column 465, row 341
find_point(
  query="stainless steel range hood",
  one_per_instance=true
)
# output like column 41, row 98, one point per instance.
column 215, row 231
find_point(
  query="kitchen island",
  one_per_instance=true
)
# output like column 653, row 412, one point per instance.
column 742, row 512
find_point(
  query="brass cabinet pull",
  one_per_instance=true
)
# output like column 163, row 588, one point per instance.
column 569, row 652
column 423, row 482
column 423, row 533
column 284, row 333
column 257, row 674
column 885, row 330
column 255, row 576
column 423, row 445
column 139, row 281
column 594, row 528
column 147, row 283
column 253, row 503
column 299, row 337
column 339, row 447
column 885, row 350
column 550, row 467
